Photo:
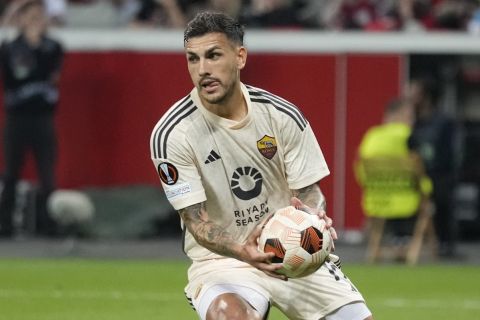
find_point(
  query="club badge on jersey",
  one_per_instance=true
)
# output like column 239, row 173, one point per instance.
column 267, row 146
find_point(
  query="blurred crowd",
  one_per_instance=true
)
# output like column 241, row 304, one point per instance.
column 367, row 15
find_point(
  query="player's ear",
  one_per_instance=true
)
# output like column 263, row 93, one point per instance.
column 241, row 57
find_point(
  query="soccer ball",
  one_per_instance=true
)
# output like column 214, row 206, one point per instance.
column 299, row 240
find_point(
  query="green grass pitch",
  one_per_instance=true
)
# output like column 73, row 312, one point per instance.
column 64, row 289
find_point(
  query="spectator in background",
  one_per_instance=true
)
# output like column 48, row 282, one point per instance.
column 392, row 177
column 320, row 14
column 473, row 25
column 433, row 138
column 174, row 14
column 422, row 15
column 125, row 11
column 369, row 15
column 159, row 13
column 388, row 141
column 272, row 14
column 453, row 14
column 30, row 67
column 415, row 15
column 233, row 8
column 356, row 14
column 405, row 15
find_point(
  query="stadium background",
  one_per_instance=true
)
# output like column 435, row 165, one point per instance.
column 116, row 84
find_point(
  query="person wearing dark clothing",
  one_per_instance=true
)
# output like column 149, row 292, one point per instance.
column 30, row 67
column 433, row 138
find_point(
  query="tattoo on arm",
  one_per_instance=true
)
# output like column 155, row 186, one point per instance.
column 312, row 196
column 207, row 233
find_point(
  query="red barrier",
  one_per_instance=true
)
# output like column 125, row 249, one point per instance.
column 110, row 102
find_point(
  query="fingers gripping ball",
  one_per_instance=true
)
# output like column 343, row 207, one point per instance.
column 299, row 240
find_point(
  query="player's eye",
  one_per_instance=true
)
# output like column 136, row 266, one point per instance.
column 192, row 58
column 214, row 55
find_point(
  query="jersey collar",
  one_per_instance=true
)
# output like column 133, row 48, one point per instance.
column 227, row 123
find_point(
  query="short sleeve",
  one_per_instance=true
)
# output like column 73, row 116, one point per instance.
column 177, row 170
column 304, row 160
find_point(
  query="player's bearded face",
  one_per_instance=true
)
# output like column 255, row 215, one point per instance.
column 214, row 65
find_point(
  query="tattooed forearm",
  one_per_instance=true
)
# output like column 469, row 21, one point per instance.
column 312, row 196
column 207, row 233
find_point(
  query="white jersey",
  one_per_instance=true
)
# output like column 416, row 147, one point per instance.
column 242, row 170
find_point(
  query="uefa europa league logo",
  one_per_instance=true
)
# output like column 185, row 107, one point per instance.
column 168, row 173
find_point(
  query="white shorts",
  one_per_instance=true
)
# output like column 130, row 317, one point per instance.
column 312, row 297
column 352, row 311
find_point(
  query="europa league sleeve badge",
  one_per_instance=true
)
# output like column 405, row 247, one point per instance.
column 168, row 173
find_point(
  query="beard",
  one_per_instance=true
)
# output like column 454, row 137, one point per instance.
column 221, row 95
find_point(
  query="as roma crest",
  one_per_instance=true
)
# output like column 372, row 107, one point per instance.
column 267, row 146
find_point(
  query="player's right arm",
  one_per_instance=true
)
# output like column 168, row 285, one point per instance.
column 213, row 237
column 175, row 161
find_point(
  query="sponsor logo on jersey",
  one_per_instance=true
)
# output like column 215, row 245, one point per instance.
column 168, row 173
column 179, row 190
column 246, row 183
column 267, row 146
column 251, row 214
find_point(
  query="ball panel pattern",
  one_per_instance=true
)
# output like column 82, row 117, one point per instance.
column 275, row 227
column 295, row 262
column 274, row 245
column 311, row 240
column 290, row 238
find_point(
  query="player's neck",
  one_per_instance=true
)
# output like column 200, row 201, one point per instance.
column 233, row 108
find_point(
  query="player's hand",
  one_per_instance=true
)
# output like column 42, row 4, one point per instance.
column 260, row 260
column 297, row 203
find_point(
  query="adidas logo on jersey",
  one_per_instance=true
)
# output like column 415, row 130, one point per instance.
column 213, row 156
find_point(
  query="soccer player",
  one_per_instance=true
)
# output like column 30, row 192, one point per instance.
column 228, row 156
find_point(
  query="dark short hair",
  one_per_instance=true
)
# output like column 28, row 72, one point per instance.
column 209, row 22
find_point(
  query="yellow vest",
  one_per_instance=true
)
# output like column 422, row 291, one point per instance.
column 390, row 180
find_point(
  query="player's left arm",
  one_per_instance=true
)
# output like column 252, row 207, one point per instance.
column 312, row 200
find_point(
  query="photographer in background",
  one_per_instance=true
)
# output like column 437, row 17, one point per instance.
column 30, row 69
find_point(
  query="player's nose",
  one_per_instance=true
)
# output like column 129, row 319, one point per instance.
column 203, row 68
